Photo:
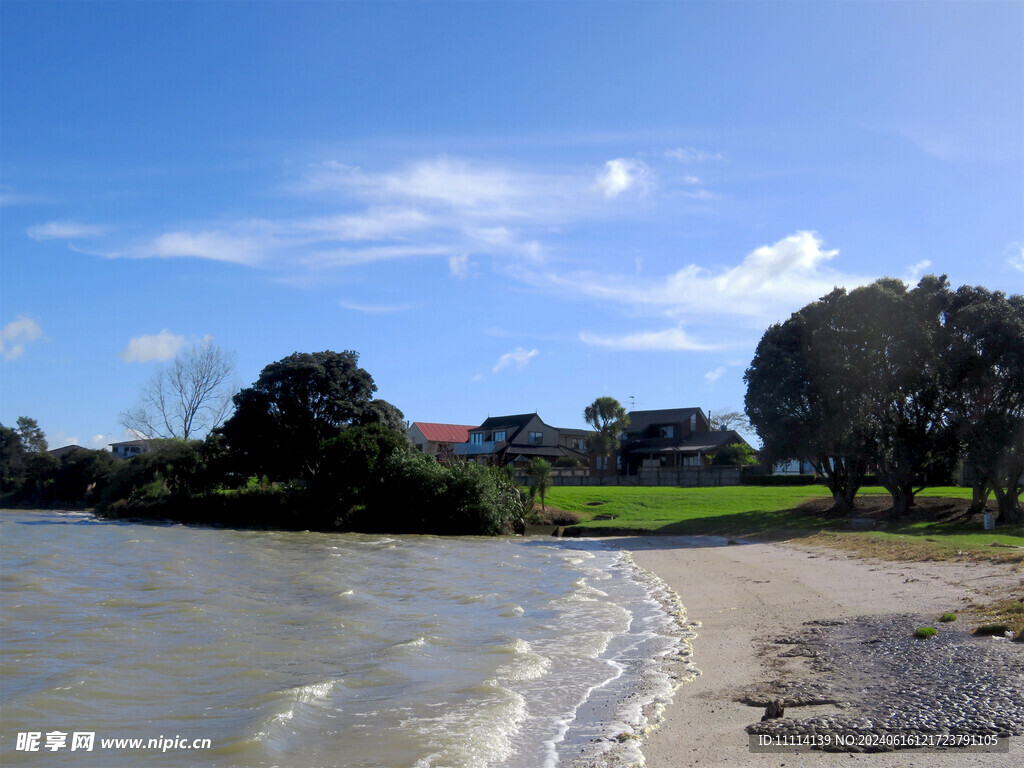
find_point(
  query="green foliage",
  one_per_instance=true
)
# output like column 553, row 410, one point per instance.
column 924, row 633
column 567, row 462
column 896, row 380
column 540, row 470
column 294, row 407
column 33, row 439
column 734, row 455
column 171, row 468
column 947, row 617
column 986, row 375
column 609, row 418
column 12, row 460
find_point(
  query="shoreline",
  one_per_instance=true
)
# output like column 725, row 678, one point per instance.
column 741, row 596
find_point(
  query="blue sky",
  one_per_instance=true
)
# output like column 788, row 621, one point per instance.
column 502, row 207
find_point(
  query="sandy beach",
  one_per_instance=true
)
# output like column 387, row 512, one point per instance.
column 745, row 595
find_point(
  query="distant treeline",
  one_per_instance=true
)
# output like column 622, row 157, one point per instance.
column 308, row 447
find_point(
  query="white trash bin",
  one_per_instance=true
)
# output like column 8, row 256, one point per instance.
column 990, row 521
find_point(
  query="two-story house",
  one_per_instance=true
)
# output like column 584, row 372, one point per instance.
column 671, row 438
column 437, row 440
column 516, row 439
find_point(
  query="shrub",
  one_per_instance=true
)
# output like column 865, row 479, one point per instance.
column 925, row 632
column 948, row 616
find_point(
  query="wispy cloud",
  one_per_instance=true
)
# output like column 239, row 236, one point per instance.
column 915, row 272
column 518, row 358
column 712, row 376
column 10, row 196
column 153, row 348
column 693, row 155
column 16, row 335
column 1015, row 257
column 769, row 282
column 375, row 309
column 458, row 266
column 670, row 339
column 65, row 230
column 621, row 175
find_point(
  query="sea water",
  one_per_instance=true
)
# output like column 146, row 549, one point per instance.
column 181, row 646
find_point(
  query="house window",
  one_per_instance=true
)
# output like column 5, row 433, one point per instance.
column 668, row 431
column 476, row 438
column 693, row 422
column 536, row 438
column 499, row 435
column 577, row 444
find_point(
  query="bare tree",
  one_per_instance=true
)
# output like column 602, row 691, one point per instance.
column 726, row 418
column 186, row 398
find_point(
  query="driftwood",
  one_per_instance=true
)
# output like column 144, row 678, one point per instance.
column 773, row 710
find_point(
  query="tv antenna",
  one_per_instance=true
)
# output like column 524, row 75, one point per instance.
column 632, row 402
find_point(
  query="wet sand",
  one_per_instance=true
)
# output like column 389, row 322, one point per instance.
column 745, row 595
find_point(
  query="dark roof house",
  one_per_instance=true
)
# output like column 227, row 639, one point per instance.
column 672, row 437
column 518, row 438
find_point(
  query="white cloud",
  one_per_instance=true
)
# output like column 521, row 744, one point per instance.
column 98, row 441
column 518, row 357
column 16, row 334
column 691, row 180
column 770, row 282
column 458, row 266
column 914, row 273
column 65, row 230
column 374, row 309
column 703, row 194
column 670, row 339
column 217, row 246
column 712, row 376
column 692, row 155
column 620, row 175
column 1016, row 258
column 153, row 348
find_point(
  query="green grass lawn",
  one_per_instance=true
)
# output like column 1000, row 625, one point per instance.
column 769, row 513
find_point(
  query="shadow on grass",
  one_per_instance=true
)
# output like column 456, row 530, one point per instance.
column 756, row 525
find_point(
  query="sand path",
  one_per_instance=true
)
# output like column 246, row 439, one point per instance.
column 744, row 594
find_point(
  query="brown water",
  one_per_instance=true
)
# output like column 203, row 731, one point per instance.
column 302, row 649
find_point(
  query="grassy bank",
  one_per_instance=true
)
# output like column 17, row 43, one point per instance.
column 795, row 512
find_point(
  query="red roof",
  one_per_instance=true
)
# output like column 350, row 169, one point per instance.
column 444, row 433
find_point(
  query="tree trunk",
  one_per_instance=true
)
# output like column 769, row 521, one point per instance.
column 902, row 499
column 980, row 489
column 843, row 477
column 1008, row 501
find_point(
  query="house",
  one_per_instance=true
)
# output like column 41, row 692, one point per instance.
column 519, row 438
column 129, row 448
column 671, row 438
column 64, row 450
column 437, row 440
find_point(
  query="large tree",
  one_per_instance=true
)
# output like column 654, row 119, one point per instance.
column 33, row 439
column 882, row 355
column 186, row 398
column 607, row 416
column 796, row 413
column 12, row 460
column 986, row 375
column 296, row 405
